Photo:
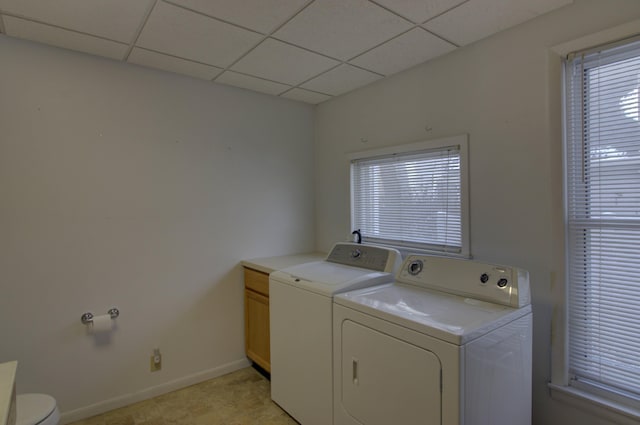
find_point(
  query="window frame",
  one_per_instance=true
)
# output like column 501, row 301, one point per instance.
column 590, row 400
column 462, row 142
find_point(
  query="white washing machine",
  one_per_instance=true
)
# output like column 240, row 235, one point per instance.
column 448, row 343
column 300, row 309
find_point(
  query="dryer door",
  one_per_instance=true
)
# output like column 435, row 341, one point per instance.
column 386, row 380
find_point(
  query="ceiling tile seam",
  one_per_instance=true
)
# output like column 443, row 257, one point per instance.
column 266, row 36
column 259, row 78
column 290, row 18
column 2, row 28
column 37, row 21
column 143, row 23
column 362, row 68
column 301, row 88
column 437, row 16
column 215, row 18
column 342, row 62
column 347, row 62
column 394, row 12
column 446, row 11
column 361, row 53
column 178, row 57
column 298, row 86
column 456, row 45
column 242, row 55
column 305, row 48
column 292, row 86
column 380, row 44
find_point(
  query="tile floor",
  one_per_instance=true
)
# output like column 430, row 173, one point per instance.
column 239, row 398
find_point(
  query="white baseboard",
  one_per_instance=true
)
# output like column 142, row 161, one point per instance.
column 147, row 393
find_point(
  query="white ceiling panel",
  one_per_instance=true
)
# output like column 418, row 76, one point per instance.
column 308, row 50
column 172, row 64
column 341, row 80
column 252, row 83
column 306, row 96
column 478, row 19
column 282, row 62
column 409, row 49
column 259, row 15
column 419, row 11
column 342, row 28
column 117, row 20
column 29, row 30
column 190, row 35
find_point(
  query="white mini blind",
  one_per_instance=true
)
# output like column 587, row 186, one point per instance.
column 603, row 206
column 410, row 199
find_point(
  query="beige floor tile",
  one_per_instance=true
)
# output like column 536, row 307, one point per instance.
column 239, row 398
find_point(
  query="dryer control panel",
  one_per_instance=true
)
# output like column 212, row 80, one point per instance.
column 369, row 257
column 484, row 281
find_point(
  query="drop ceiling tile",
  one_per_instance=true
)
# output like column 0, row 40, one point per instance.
column 117, row 20
column 259, row 15
column 403, row 52
column 179, row 32
column 172, row 64
column 306, row 96
column 341, row 80
column 252, row 83
column 477, row 19
column 342, row 28
column 29, row 30
column 419, row 11
column 282, row 62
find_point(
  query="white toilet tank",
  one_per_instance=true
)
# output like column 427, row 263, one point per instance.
column 36, row 409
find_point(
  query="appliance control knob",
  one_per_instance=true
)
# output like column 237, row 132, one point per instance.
column 356, row 253
column 502, row 282
column 415, row 267
column 484, row 278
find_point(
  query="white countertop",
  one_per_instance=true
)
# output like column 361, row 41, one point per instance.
column 271, row 264
column 7, row 395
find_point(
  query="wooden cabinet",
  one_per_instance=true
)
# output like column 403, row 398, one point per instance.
column 256, row 317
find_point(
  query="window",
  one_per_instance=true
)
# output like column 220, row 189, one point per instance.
column 603, row 222
column 413, row 197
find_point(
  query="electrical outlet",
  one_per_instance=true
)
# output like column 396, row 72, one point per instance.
column 156, row 360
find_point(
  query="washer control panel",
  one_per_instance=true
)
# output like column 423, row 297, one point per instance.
column 488, row 282
column 365, row 256
column 499, row 273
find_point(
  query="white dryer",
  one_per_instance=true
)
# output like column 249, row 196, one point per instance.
column 448, row 343
column 300, row 311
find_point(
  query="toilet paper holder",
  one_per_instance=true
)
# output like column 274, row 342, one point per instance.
column 88, row 316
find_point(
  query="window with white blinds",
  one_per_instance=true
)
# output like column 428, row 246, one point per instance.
column 603, row 219
column 413, row 197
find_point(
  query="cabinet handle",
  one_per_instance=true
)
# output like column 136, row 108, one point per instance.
column 354, row 370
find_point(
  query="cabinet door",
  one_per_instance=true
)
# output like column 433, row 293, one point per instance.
column 256, row 322
column 386, row 380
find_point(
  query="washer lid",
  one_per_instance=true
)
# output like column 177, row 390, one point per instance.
column 445, row 316
column 327, row 278
column 33, row 408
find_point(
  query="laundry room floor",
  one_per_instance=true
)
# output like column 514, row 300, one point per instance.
column 239, row 398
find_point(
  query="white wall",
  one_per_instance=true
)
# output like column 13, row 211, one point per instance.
column 123, row 186
column 505, row 93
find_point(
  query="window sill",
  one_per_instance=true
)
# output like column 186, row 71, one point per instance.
column 406, row 250
column 599, row 406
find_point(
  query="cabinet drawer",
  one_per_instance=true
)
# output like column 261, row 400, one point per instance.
column 256, row 281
